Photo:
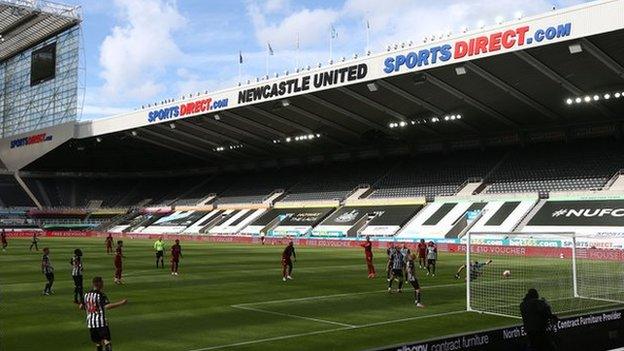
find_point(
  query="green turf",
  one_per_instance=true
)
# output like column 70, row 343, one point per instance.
column 228, row 297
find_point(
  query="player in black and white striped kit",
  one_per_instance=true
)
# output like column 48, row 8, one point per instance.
column 76, row 263
column 397, row 263
column 47, row 270
column 96, row 303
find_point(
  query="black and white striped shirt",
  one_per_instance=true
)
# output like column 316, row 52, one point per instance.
column 411, row 271
column 76, row 263
column 397, row 260
column 95, row 302
column 46, row 265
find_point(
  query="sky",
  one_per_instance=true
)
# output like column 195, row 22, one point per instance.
column 144, row 51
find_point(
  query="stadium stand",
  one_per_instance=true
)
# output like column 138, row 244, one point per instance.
column 335, row 181
column 432, row 175
column 12, row 194
column 253, row 188
column 582, row 165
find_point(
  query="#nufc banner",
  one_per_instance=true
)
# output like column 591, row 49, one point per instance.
column 593, row 213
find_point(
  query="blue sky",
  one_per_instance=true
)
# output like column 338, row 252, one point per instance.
column 142, row 51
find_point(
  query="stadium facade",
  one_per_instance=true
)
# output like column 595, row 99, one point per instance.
column 514, row 127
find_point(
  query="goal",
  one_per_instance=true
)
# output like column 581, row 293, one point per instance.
column 573, row 273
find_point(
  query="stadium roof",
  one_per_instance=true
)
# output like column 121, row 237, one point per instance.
column 510, row 96
column 24, row 23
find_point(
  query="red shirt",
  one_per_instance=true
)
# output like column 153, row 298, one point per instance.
column 288, row 251
column 176, row 251
column 109, row 241
column 118, row 254
column 368, row 248
column 422, row 249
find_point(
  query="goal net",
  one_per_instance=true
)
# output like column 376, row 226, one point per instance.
column 574, row 274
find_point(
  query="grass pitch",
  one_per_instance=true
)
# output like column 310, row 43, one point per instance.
column 228, row 297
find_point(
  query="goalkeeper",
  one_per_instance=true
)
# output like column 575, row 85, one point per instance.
column 476, row 269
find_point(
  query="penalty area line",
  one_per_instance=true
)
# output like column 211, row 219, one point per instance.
column 321, row 297
column 326, row 331
column 293, row 316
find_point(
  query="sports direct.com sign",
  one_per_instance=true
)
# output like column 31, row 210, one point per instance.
column 469, row 48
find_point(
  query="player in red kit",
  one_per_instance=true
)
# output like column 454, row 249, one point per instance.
column 3, row 239
column 422, row 254
column 109, row 243
column 118, row 263
column 287, row 263
column 368, row 252
column 176, row 253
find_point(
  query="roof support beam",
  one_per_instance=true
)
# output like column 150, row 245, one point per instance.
column 253, row 123
column 420, row 102
column 603, row 57
column 22, row 21
column 186, row 135
column 192, row 137
column 244, row 133
column 555, row 77
column 203, row 130
column 278, row 119
column 343, row 111
column 511, row 90
column 174, row 141
column 460, row 95
column 157, row 143
column 322, row 120
column 372, row 103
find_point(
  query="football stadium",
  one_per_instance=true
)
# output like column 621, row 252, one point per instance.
column 442, row 194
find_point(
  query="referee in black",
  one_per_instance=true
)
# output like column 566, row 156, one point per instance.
column 537, row 317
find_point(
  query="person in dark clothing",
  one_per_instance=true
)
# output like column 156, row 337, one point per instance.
column 537, row 317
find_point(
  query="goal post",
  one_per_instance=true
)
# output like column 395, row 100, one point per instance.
column 573, row 273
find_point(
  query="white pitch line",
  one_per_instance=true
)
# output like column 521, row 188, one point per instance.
column 321, row 297
column 294, row 316
column 292, row 336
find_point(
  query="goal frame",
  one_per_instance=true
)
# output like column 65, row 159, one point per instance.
column 469, row 235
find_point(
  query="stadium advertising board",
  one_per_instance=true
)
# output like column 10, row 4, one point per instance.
column 497, row 41
column 587, row 332
column 186, row 109
column 30, row 140
column 383, row 220
column 598, row 213
column 305, row 216
column 339, row 76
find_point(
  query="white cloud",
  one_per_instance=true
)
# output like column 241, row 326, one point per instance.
column 135, row 55
column 412, row 20
column 272, row 6
column 312, row 26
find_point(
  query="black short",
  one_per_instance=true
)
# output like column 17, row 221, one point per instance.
column 99, row 334
column 50, row 276
column 432, row 262
column 397, row 272
column 160, row 254
column 77, row 280
column 415, row 284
